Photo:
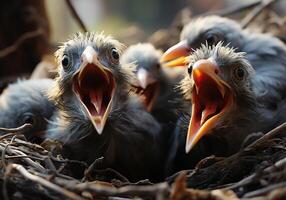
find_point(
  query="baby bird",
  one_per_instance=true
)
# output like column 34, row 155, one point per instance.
column 97, row 117
column 25, row 102
column 227, row 106
column 266, row 54
column 157, row 90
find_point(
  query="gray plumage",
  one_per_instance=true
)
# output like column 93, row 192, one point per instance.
column 168, row 101
column 25, row 102
column 251, row 112
column 129, row 142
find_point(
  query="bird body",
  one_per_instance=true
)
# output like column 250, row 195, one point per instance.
column 25, row 102
column 129, row 138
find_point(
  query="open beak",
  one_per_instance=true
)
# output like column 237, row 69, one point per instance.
column 177, row 55
column 147, row 89
column 94, row 86
column 211, row 99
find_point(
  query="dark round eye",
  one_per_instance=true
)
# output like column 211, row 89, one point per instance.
column 239, row 73
column 190, row 69
column 212, row 39
column 66, row 62
column 114, row 54
column 30, row 119
column 158, row 66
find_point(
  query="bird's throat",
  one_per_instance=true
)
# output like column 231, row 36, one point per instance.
column 95, row 86
column 208, row 107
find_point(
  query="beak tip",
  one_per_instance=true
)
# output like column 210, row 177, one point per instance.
column 98, row 129
column 188, row 148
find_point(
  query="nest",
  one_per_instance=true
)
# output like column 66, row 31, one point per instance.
column 30, row 171
column 258, row 171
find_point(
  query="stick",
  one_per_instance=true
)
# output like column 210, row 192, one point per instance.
column 265, row 190
column 233, row 10
column 22, row 128
column 26, row 36
column 41, row 181
column 255, row 12
column 76, row 16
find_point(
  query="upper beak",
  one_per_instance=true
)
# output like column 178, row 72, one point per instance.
column 145, row 78
column 176, row 55
column 211, row 98
column 94, row 86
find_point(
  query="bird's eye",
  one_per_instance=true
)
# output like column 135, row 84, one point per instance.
column 212, row 39
column 239, row 73
column 113, row 56
column 66, row 62
column 190, row 69
column 158, row 66
column 29, row 119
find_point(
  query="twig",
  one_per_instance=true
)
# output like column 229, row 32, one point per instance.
column 27, row 160
column 26, row 36
column 252, row 177
column 149, row 190
column 255, row 12
column 233, row 10
column 4, row 151
column 267, row 136
column 76, row 16
column 22, row 128
column 265, row 190
column 41, row 181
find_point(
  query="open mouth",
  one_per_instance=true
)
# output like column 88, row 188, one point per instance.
column 148, row 95
column 94, row 86
column 211, row 99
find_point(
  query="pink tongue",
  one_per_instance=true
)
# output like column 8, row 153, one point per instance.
column 96, row 99
column 210, row 109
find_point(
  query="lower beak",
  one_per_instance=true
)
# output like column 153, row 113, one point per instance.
column 211, row 99
column 94, row 86
column 177, row 55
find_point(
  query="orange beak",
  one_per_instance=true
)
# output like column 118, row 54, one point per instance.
column 211, row 99
column 177, row 55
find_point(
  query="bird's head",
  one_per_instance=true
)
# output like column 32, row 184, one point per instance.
column 89, row 69
column 148, row 72
column 218, row 84
column 204, row 30
column 25, row 102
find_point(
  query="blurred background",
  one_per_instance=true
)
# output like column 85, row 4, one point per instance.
column 31, row 30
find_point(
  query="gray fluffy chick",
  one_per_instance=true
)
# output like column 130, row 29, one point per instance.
column 265, row 53
column 25, row 102
column 97, row 117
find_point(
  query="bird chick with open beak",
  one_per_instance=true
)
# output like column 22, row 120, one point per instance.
column 97, row 117
column 155, row 88
column 152, row 84
column 265, row 53
column 227, row 106
column 25, row 102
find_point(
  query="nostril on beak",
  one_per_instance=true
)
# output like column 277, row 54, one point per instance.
column 216, row 71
